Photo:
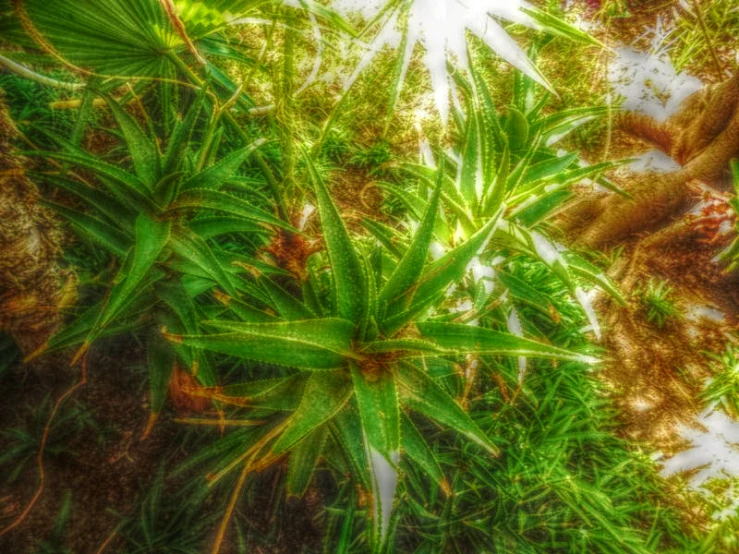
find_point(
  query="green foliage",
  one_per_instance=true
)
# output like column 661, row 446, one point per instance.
column 723, row 387
column 167, row 521
column 337, row 146
column 392, row 358
column 372, row 158
column 362, row 335
column 30, row 107
column 22, row 443
column 657, row 302
column 503, row 167
column 615, row 8
column 159, row 215
column 54, row 544
column 730, row 255
column 694, row 46
column 547, row 490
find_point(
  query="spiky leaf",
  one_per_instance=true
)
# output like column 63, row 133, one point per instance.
column 325, row 394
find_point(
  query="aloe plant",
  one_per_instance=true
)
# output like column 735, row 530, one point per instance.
column 441, row 28
column 504, row 167
column 159, row 217
column 360, row 339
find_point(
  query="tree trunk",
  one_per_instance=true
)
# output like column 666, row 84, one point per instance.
column 703, row 137
column 33, row 287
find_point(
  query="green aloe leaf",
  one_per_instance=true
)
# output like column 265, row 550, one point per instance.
column 557, row 26
column 379, row 411
column 384, row 480
column 421, row 393
column 548, row 168
column 160, row 360
column 393, row 324
column 493, row 133
column 346, row 430
column 179, row 300
column 417, row 449
column 468, row 338
column 125, row 186
column 471, row 161
column 417, row 205
column 284, row 303
column 430, row 175
column 151, row 237
column 333, row 334
column 521, row 290
column 496, row 192
column 367, row 328
column 283, row 394
column 193, row 248
column 387, row 236
column 415, row 346
column 246, row 312
column 516, row 175
column 594, row 275
column 411, row 266
column 452, row 266
column 303, row 460
column 558, row 181
column 180, row 139
column 517, row 130
column 350, row 280
column 325, row 394
column 217, row 175
column 78, row 329
column 215, row 226
column 167, row 188
column 94, row 228
column 316, row 344
column 200, row 199
column 143, row 151
column 377, row 399
column 105, row 204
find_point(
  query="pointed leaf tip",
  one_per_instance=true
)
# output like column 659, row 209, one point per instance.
column 150, row 425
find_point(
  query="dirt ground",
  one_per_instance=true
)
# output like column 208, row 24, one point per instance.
column 656, row 374
column 108, row 468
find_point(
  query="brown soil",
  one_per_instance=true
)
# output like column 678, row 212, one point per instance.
column 103, row 475
column 109, row 468
column 358, row 196
column 655, row 374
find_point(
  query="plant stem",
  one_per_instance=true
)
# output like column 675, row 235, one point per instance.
column 33, row 76
column 231, row 505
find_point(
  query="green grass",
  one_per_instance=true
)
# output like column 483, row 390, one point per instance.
column 22, row 443
column 657, row 301
column 722, row 389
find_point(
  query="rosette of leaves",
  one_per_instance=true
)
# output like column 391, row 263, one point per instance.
column 159, row 215
column 504, row 167
column 353, row 347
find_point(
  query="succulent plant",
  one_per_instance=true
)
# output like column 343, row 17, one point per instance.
column 360, row 338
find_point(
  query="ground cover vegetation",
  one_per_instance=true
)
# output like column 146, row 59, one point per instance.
column 292, row 277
